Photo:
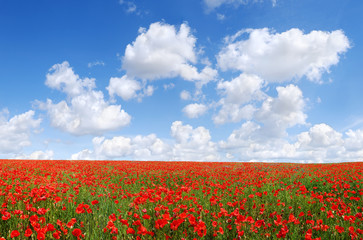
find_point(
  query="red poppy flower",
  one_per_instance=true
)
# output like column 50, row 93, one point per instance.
column 56, row 234
column 50, row 227
column 76, row 232
column 6, row 216
column 176, row 223
column 80, row 209
column 130, row 231
column 112, row 217
column 146, row 216
column 14, row 233
column 41, row 236
column 28, row 232
column 160, row 223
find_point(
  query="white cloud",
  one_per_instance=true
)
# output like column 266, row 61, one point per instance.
column 278, row 57
column 130, row 6
column 168, row 86
column 138, row 148
column 15, row 132
column 123, row 87
column 111, row 148
column 320, row 136
column 237, row 93
column 220, row 17
column 321, row 143
column 233, row 113
column 213, row 4
column 229, row 156
column 206, row 75
column 242, row 89
column 285, row 111
column 85, row 154
column 353, row 145
column 272, row 118
column 195, row 110
column 242, row 137
column 162, row 51
column 249, row 143
column 62, row 78
column 354, row 141
column 189, row 144
column 185, row 95
column 85, row 111
column 148, row 91
column 38, row 155
column 193, row 144
column 96, row 63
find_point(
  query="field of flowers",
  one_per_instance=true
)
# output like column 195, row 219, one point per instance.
column 179, row 200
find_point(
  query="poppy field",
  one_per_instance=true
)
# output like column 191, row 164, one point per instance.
column 179, row 200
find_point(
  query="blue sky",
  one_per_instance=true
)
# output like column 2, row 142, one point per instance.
column 208, row 80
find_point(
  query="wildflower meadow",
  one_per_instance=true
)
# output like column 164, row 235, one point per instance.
column 179, row 200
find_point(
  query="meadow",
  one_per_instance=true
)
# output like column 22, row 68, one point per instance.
column 179, row 200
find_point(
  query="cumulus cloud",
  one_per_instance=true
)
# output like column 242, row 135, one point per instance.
column 353, row 145
column 111, row 148
column 233, row 113
column 320, row 143
column 264, row 57
column 241, row 89
column 195, row 110
column 85, row 111
column 37, row 155
column 320, row 136
column 16, row 131
column 193, row 144
column 188, row 144
column 62, row 77
column 285, row 111
column 139, row 148
column 278, row 57
column 354, row 141
column 123, row 87
column 264, row 138
column 236, row 94
column 162, row 51
column 147, row 91
column 249, row 143
column 185, row 95
column 242, row 137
